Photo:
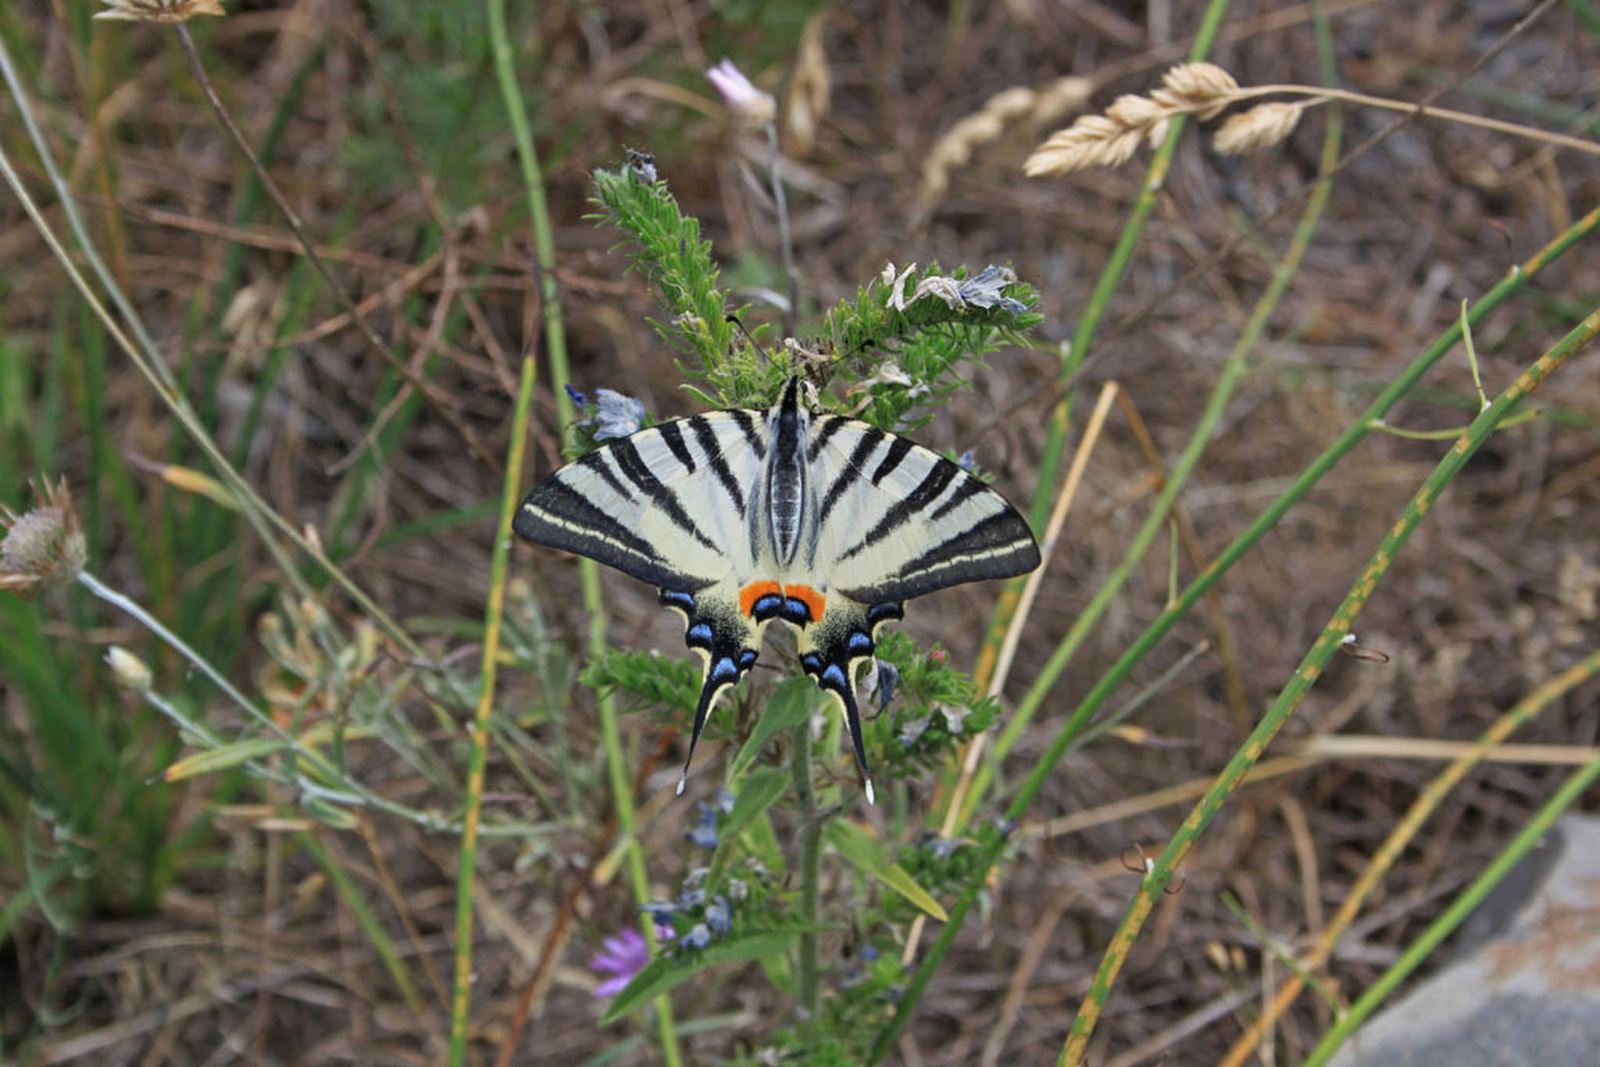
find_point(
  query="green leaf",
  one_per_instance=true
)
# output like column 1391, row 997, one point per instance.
column 756, row 795
column 865, row 853
column 662, row 974
column 221, row 758
column 789, row 706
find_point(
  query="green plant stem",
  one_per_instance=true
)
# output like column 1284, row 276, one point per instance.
column 351, row 791
column 477, row 759
column 1470, row 898
column 785, row 238
column 1072, row 357
column 589, row 572
column 810, row 848
column 1322, row 650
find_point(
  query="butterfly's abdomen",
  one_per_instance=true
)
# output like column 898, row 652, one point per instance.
column 786, row 476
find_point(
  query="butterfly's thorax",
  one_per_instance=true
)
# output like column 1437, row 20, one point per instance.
column 787, row 491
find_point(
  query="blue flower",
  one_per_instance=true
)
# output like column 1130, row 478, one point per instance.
column 968, row 460
column 703, row 834
column 691, row 898
column 697, row 938
column 578, row 399
column 660, row 913
column 942, row 847
column 724, row 801
column 615, row 415
column 719, row 916
column 737, row 889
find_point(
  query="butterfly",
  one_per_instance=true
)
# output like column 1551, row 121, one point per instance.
column 741, row 517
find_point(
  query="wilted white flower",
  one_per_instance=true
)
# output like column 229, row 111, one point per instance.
column 897, row 285
column 752, row 106
column 984, row 291
column 159, row 10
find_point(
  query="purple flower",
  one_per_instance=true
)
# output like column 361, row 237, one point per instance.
column 752, row 106
column 623, row 956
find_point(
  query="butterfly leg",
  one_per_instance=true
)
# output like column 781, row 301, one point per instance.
column 829, row 652
column 727, row 643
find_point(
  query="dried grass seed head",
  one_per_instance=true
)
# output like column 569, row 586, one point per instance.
column 1261, row 127
column 1202, row 88
column 159, row 10
column 44, row 545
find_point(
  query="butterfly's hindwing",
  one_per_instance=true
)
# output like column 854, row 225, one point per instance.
column 829, row 652
column 727, row 641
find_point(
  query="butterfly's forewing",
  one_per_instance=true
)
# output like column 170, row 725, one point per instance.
column 671, row 505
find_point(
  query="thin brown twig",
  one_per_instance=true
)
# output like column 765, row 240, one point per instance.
column 439, row 403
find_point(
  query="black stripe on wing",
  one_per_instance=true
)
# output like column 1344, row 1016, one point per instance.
column 707, row 438
column 868, row 443
column 560, row 516
column 999, row 545
column 633, row 465
column 927, row 491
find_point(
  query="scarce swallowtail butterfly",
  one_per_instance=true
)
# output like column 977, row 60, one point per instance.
column 742, row 517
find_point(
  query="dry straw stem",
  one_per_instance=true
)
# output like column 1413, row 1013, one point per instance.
column 1003, row 110
column 1204, row 90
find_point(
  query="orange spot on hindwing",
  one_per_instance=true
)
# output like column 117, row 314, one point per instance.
column 754, row 592
column 797, row 604
column 813, row 600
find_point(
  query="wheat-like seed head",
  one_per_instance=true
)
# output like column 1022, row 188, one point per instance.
column 1261, row 127
column 1108, row 140
column 1006, row 108
column 1203, row 89
column 159, row 10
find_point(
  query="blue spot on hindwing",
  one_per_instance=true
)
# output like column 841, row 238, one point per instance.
column 880, row 612
column 811, row 662
column 670, row 598
column 724, row 671
column 797, row 611
column 766, row 607
column 834, row 676
column 699, row 634
column 860, row 644
column 747, row 658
